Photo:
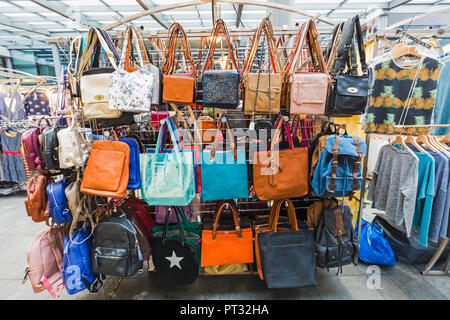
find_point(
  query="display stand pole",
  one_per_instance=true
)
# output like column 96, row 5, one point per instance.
column 440, row 250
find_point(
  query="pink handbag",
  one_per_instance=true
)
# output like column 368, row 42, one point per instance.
column 45, row 261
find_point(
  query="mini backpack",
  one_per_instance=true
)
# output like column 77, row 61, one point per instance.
column 49, row 147
column 32, row 148
column 58, row 207
column 36, row 202
column 73, row 149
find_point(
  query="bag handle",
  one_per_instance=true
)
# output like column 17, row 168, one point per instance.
column 275, row 214
column 230, row 138
column 220, row 26
column 84, row 206
column 237, row 221
column 166, row 226
column 126, row 51
column 166, row 126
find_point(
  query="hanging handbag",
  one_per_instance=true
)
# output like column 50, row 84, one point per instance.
column 227, row 246
column 134, row 174
column 32, row 147
column 107, row 170
column 94, row 83
column 162, row 211
column 220, row 87
column 74, row 147
column 58, row 208
column 206, row 126
column 280, row 174
column 309, row 88
column 192, row 227
column 263, row 90
column 349, row 91
column 36, row 202
column 131, row 86
column 50, row 146
column 224, row 173
column 168, row 178
column 178, row 88
column 285, row 257
column 174, row 257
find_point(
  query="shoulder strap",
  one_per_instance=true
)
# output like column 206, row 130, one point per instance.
column 334, row 164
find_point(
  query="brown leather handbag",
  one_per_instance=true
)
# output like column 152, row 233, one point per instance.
column 36, row 202
column 308, row 76
column 107, row 170
column 263, row 90
column 207, row 127
column 280, row 174
column 178, row 88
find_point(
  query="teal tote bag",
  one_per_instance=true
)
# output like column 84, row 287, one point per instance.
column 168, row 177
column 224, row 173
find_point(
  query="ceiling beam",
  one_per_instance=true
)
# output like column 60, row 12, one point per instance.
column 335, row 8
column 423, row 15
column 239, row 15
column 396, row 3
column 162, row 24
column 5, row 21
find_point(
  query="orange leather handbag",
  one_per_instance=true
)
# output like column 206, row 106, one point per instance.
column 221, row 247
column 280, row 174
column 178, row 88
column 106, row 173
column 36, row 202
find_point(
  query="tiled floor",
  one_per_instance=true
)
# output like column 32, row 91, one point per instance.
column 399, row 282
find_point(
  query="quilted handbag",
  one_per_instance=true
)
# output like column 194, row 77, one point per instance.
column 263, row 90
column 134, row 175
column 94, row 83
column 349, row 91
column 168, row 178
column 107, row 170
column 220, row 87
column 309, row 87
column 224, row 173
column 227, row 246
column 131, row 86
column 178, row 88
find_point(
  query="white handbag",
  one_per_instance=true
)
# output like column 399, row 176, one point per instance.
column 95, row 83
column 74, row 147
column 131, row 88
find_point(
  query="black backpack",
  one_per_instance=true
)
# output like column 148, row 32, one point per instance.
column 336, row 243
column 115, row 248
column 49, row 147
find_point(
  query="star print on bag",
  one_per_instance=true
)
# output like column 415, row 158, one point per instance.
column 174, row 260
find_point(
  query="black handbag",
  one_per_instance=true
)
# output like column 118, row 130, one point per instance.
column 115, row 248
column 349, row 91
column 287, row 257
column 174, row 259
column 336, row 243
column 127, row 118
column 49, row 147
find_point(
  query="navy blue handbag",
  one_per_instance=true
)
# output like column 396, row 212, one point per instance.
column 134, row 180
column 220, row 87
column 58, row 207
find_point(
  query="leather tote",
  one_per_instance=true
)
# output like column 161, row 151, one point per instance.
column 336, row 243
column 131, row 86
column 107, row 170
column 134, row 173
column 45, row 261
column 94, row 82
column 308, row 81
column 220, row 87
column 174, row 254
column 168, row 178
column 32, row 147
column 224, row 173
column 115, row 248
column 349, row 91
column 263, row 90
column 285, row 256
column 178, row 88
column 280, row 174
column 36, row 202
column 221, row 247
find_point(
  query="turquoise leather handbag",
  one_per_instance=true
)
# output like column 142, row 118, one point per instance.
column 224, row 173
column 168, row 178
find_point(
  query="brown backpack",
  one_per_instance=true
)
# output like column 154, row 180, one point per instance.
column 36, row 203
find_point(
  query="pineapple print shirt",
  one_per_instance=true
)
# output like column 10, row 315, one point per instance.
column 390, row 92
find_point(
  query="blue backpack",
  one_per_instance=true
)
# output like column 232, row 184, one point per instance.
column 77, row 272
column 338, row 171
column 134, row 180
column 59, row 210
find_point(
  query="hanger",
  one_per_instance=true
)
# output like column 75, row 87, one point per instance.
column 400, row 50
column 422, row 139
column 437, row 143
column 412, row 140
column 445, row 138
column 400, row 141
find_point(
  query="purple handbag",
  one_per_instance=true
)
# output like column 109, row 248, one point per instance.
column 161, row 211
column 32, row 148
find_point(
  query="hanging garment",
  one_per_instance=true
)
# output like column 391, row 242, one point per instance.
column 17, row 111
column 12, row 161
column 395, row 88
column 444, row 224
column 37, row 104
column 394, row 186
column 441, row 114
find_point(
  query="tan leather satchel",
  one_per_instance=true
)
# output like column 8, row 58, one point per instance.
column 308, row 77
column 107, row 170
column 36, row 202
column 263, row 90
column 178, row 88
column 280, row 174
